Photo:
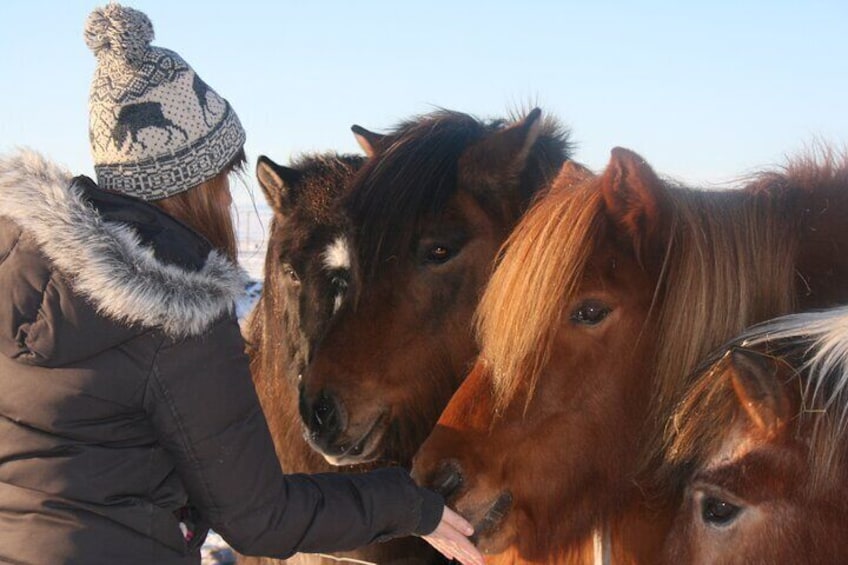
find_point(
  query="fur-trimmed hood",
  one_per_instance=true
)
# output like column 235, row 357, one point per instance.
column 134, row 273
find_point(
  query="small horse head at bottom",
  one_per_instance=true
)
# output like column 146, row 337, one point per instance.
column 760, row 443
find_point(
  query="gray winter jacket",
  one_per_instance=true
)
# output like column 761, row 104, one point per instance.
column 128, row 419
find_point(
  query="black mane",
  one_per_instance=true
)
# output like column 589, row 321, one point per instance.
column 416, row 175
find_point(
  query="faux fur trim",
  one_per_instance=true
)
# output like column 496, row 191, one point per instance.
column 105, row 261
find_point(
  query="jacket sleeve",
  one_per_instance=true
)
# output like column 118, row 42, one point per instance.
column 206, row 413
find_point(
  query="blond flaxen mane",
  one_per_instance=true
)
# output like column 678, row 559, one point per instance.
column 542, row 259
column 814, row 347
column 728, row 262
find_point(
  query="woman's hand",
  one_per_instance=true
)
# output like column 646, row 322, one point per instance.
column 451, row 539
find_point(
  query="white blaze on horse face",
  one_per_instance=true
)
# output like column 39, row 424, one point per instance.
column 337, row 257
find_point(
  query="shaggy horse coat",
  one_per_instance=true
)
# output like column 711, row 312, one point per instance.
column 608, row 293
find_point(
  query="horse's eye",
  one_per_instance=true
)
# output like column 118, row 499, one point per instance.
column 590, row 312
column 289, row 271
column 439, row 254
column 717, row 512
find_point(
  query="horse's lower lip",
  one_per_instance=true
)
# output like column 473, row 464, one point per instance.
column 361, row 451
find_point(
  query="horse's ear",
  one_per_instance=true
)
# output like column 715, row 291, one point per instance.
column 632, row 194
column 277, row 182
column 572, row 173
column 370, row 142
column 503, row 154
column 760, row 391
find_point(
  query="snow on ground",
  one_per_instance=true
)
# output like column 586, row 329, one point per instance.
column 215, row 551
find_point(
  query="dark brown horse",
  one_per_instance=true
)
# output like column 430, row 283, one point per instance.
column 307, row 277
column 430, row 207
column 608, row 292
column 760, row 442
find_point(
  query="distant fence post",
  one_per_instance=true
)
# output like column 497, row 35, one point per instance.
column 252, row 228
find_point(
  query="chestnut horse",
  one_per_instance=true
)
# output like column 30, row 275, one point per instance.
column 607, row 292
column 431, row 207
column 762, row 444
column 307, row 276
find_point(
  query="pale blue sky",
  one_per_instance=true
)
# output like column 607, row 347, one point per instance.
column 703, row 91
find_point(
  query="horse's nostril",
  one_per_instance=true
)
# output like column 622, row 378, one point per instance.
column 322, row 416
column 323, row 410
column 447, row 479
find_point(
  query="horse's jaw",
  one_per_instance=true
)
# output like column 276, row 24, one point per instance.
column 358, row 450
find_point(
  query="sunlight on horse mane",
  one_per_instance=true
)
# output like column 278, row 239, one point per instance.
column 520, row 310
column 820, row 341
column 697, row 428
column 820, row 338
column 732, row 265
column 728, row 260
column 607, row 296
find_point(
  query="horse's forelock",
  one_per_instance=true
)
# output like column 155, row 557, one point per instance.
column 730, row 264
column 413, row 177
column 816, row 343
column 699, row 423
column 703, row 419
column 417, row 173
column 521, row 307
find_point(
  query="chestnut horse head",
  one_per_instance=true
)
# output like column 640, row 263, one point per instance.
column 606, row 293
column 430, row 207
column 760, row 442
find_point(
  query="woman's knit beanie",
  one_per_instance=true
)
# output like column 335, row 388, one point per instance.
column 156, row 129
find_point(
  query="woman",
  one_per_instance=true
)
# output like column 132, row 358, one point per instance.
column 128, row 420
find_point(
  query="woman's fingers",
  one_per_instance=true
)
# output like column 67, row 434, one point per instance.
column 464, row 552
column 457, row 521
column 450, row 539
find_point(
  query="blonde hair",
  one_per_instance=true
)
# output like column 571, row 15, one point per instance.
column 206, row 208
column 728, row 262
column 540, row 262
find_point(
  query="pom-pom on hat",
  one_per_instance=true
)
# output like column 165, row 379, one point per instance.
column 156, row 129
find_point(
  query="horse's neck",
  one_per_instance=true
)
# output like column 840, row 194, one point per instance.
column 582, row 553
column 637, row 534
column 633, row 533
